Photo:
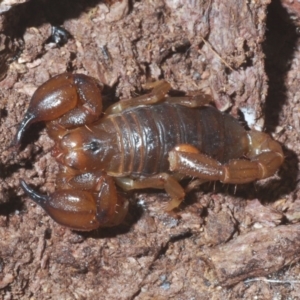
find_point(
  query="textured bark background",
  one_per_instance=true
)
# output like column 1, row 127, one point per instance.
column 225, row 242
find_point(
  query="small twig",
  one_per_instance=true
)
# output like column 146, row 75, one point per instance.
column 216, row 53
column 271, row 280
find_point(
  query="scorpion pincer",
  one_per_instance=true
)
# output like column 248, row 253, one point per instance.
column 152, row 141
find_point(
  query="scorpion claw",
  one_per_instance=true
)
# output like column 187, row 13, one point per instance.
column 81, row 210
column 32, row 194
column 74, row 209
column 26, row 122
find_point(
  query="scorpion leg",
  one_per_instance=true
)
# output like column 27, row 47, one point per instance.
column 160, row 89
column 265, row 156
column 194, row 184
column 70, row 100
column 90, row 201
column 159, row 181
column 190, row 101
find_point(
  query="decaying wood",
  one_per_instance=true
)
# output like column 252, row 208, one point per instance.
column 222, row 235
column 256, row 254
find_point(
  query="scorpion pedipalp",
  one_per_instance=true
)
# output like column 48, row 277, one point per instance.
column 81, row 209
column 70, row 100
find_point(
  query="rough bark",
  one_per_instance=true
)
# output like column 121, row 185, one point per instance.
column 222, row 235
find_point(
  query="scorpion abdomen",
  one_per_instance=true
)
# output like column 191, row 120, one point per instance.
column 146, row 134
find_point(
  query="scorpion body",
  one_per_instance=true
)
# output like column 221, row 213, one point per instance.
column 138, row 140
column 151, row 141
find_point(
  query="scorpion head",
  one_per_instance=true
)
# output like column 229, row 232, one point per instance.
column 84, row 150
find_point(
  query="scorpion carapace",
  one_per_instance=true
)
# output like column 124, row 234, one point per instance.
column 152, row 141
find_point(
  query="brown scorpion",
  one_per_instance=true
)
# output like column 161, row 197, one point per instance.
column 151, row 141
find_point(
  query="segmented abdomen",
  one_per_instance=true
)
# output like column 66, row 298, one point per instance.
column 147, row 133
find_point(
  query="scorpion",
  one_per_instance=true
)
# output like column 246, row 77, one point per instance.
column 151, row 141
